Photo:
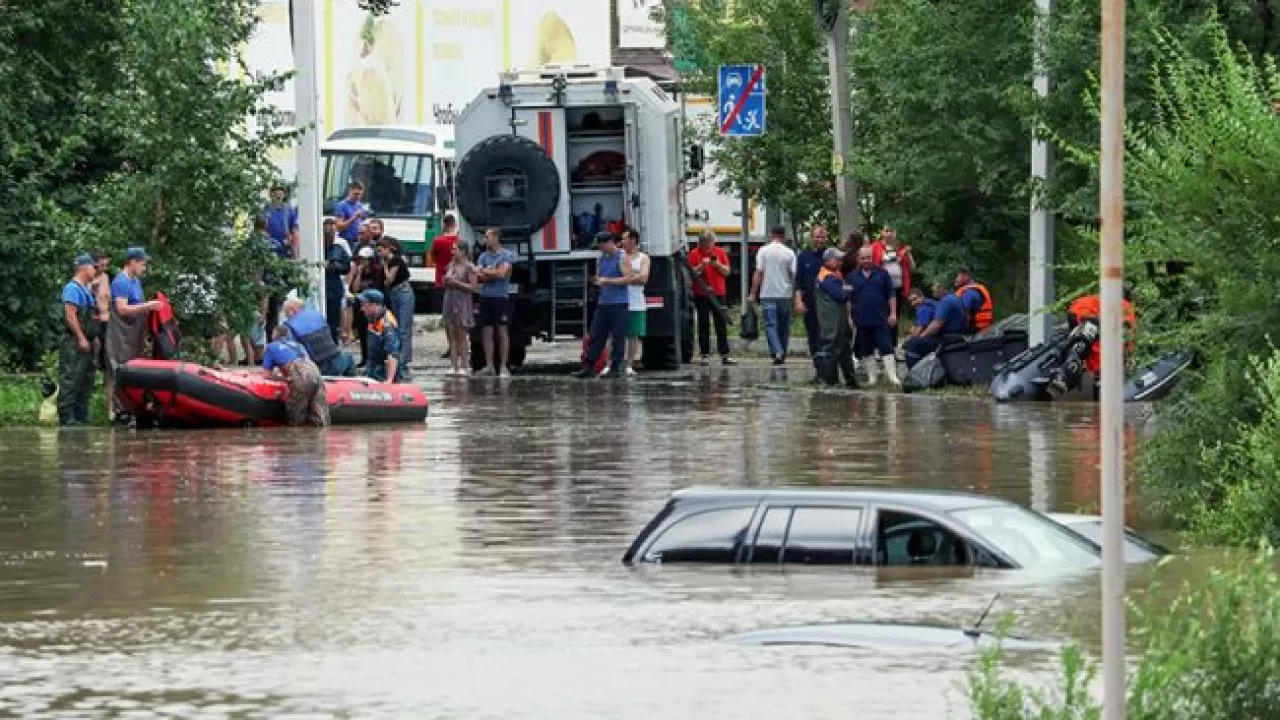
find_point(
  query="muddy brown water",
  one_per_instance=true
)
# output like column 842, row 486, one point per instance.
column 469, row 568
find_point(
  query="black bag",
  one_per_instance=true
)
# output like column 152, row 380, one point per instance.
column 750, row 329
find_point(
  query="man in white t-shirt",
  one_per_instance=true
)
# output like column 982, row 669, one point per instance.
column 773, row 288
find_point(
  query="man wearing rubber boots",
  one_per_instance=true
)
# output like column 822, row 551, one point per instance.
column 305, row 401
column 76, row 356
column 831, row 302
column 310, row 329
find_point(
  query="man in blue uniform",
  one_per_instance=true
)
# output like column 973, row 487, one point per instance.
column 383, row 360
column 76, row 357
column 875, row 311
column 949, row 320
column 831, row 304
column 808, row 263
column 925, row 310
column 310, row 329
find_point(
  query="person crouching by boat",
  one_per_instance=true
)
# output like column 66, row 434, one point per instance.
column 384, row 338
column 304, row 401
column 310, row 329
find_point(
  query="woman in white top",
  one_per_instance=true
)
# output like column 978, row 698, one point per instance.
column 636, row 267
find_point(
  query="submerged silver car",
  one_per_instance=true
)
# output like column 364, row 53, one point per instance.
column 855, row 526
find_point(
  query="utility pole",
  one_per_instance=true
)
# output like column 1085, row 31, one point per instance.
column 1111, row 202
column 306, row 104
column 833, row 19
column 1042, row 221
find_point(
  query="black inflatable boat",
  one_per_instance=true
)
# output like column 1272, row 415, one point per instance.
column 1046, row 371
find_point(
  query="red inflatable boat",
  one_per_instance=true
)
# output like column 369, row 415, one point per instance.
column 183, row 394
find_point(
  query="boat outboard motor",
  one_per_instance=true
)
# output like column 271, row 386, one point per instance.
column 1046, row 371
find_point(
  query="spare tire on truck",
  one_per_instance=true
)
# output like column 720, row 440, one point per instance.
column 508, row 181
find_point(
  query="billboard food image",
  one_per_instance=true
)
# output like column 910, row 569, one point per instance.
column 551, row 31
column 375, row 85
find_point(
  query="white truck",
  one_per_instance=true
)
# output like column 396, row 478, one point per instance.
column 552, row 156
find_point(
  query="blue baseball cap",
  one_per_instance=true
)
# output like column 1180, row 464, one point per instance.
column 135, row 253
column 82, row 259
column 372, row 296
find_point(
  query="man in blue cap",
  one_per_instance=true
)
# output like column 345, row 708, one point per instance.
column 127, row 326
column 75, row 356
column 383, row 358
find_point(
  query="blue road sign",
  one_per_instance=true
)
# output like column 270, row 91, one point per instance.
column 741, row 100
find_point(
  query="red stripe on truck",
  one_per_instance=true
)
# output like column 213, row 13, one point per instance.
column 546, row 138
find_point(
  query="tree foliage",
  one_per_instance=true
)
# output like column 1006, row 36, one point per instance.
column 789, row 168
column 129, row 131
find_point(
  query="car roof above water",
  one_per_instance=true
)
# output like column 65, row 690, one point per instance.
column 936, row 500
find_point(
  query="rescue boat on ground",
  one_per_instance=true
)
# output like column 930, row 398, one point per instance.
column 174, row 393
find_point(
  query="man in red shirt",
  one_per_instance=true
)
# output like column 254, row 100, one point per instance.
column 442, row 246
column 711, row 264
column 442, row 253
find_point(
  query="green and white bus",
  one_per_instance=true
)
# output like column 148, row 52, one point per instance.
column 407, row 172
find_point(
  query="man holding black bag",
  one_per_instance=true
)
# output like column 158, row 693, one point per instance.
column 710, row 268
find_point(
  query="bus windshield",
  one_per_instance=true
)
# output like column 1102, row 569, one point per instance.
column 395, row 185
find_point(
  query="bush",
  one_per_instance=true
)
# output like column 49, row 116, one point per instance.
column 1213, row 654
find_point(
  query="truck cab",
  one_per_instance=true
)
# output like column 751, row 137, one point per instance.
column 553, row 156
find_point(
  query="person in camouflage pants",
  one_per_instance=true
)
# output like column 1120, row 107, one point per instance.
column 304, row 401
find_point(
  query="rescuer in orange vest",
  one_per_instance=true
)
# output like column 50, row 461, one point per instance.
column 1089, row 308
column 976, row 300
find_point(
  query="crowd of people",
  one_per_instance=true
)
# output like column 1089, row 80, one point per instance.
column 368, row 303
column 851, row 299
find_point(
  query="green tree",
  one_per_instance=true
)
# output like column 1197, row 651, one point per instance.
column 789, row 168
column 129, row 131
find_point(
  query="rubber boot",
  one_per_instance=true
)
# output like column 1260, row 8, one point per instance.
column 891, row 369
column 828, row 374
column 873, row 372
column 850, row 374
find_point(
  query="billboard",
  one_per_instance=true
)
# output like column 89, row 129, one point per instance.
column 636, row 28
column 425, row 60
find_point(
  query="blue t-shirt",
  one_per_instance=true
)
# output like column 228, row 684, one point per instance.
column 611, row 267
column 808, row 263
column 280, row 222
column 501, row 287
column 280, row 353
column 128, row 288
column 925, row 313
column 870, row 294
column 345, row 210
column 972, row 301
column 955, row 321
column 73, row 293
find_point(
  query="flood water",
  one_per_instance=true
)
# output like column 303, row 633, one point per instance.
column 469, row 568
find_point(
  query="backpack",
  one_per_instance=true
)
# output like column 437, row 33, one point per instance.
column 165, row 335
column 928, row 373
column 892, row 264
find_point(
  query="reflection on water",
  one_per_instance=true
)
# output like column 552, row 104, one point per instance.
column 469, row 567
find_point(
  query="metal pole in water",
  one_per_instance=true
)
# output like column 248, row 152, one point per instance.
column 1041, row 219
column 1112, row 278
column 306, row 102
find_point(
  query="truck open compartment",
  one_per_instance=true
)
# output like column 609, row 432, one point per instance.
column 596, row 152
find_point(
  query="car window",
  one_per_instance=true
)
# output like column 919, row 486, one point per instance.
column 771, row 535
column 822, row 535
column 711, row 536
column 1029, row 538
column 907, row 539
column 1136, row 547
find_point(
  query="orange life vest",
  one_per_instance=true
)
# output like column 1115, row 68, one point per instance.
column 1089, row 307
column 986, row 313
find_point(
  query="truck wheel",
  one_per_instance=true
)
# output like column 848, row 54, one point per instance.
column 501, row 163
column 660, row 354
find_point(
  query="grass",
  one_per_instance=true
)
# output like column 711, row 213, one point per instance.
column 20, row 400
